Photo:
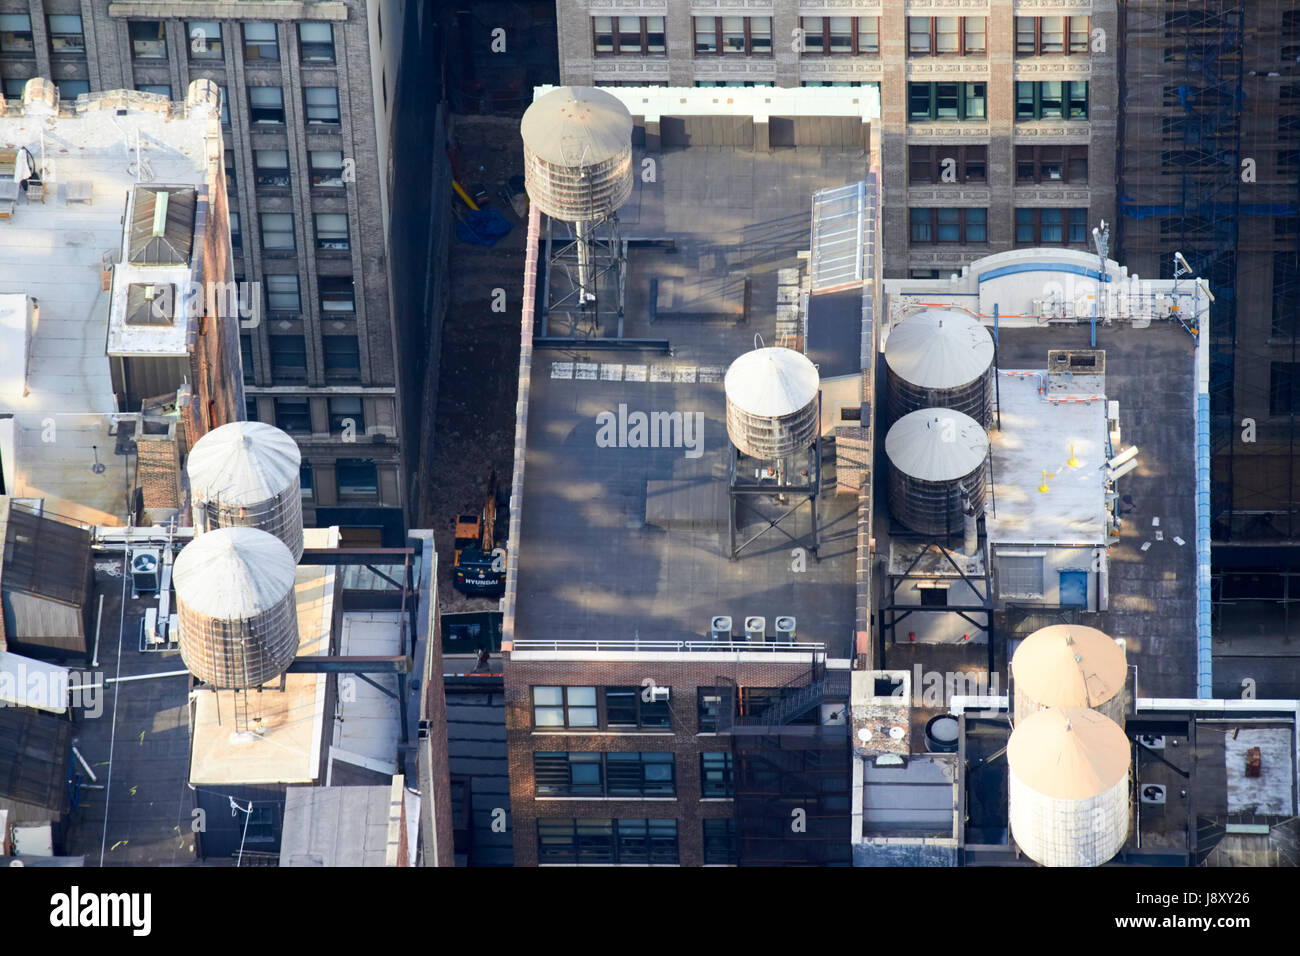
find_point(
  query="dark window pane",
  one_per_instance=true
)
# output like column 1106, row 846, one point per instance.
column 357, row 476
column 1024, row 225
column 342, row 357
column 293, row 414
column 620, row 706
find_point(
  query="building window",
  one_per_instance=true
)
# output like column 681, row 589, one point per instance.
column 607, row 842
column 288, row 357
column 720, row 841
column 304, row 481
column 266, row 104
column 66, row 34
column 640, row 774
column 148, row 40
column 944, row 224
column 343, row 411
column 246, row 356
column 605, row 774
column 277, row 231
column 232, row 185
column 1053, row 99
column 357, row 477
column 337, row 294
column 271, row 167
column 1052, row 164
column 157, row 89
column 260, row 43
column 261, row 825
column 332, row 230
column 326, row 167
column 1051, row 36
column 225, row 105
column 293, row 415
column 12, row 87
column 946, row 101
column 564, row 707
column 236, row 235
column 947, row 164
column 840, row 35
column 250, row 410
column 316, row 42
column 1020, row 576
column 1286, row 294
column 322, row 104
column 708, row 708
column 622, row 36
column 16, row 33
column 342, row 358
column 1051, row 227
column 205, row 39
column 946, row 36
column 71, row 89
column 715, row 775
column 1284, row 388
column 743, row 35
column 282, row 294
column 568, row 774
column 627, row 707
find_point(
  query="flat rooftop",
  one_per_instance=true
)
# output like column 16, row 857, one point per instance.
column 590, row 566
column 1062, row 434
column 54, row 252
column 1151, row 373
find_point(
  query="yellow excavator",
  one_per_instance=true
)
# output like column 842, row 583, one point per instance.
column 479, row 557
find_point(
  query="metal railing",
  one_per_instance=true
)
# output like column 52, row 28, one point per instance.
column 674, row 647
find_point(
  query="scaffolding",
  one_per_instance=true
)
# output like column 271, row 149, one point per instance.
column 1209, row 166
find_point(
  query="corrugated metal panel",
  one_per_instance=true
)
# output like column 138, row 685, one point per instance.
column 46, row 557
column 34, row 752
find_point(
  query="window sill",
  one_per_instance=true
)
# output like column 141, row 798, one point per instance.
column 608, row 865
column 608, row 799
column 601, row 733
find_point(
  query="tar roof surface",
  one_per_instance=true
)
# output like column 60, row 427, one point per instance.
column 589, row 565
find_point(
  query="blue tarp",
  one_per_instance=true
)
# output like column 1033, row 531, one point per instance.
column 483, row 227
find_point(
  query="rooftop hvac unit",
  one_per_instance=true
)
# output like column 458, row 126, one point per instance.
column 755, row 629
column 720, row 628
column 1153, row 794
column 146, row 564
column 658, row 695
column 785, row 629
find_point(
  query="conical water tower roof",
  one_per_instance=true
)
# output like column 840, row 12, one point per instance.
column 772, row 382
column 1069, row 665
column 939, row 348
column 233, row 573
column 242, row 463
column 936, row 444
column 577, row 126
column 1068, row 753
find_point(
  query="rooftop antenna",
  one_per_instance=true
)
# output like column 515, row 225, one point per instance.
column 1101, row 239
